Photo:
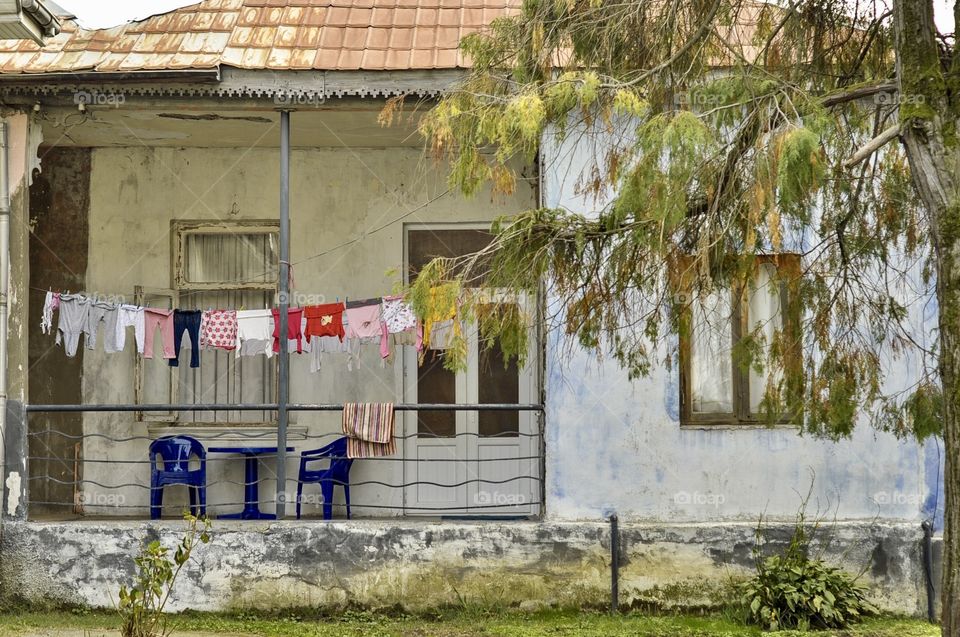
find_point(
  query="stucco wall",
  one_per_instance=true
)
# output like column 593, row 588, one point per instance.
column 427, row 565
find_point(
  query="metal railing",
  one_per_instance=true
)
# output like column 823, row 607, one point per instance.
column 522, row 491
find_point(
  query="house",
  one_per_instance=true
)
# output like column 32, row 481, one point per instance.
column 145, row 167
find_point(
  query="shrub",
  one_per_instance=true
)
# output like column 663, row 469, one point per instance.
column 794, row 590
column 141, row 606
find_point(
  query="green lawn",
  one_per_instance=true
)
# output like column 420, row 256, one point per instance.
column 452, row 624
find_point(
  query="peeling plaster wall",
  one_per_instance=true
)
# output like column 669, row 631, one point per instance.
column 427, row 565
column 613, row 445
column 59, row 219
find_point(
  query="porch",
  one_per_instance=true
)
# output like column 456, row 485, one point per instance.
column 173, row 203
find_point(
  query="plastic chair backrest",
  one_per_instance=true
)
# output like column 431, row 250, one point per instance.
column 175, row 451
column 339, row 463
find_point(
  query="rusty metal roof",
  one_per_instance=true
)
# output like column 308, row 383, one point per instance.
column 343, row 35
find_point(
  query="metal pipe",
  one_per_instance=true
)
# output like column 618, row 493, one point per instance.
column 928, row 570
column 614, row 564
column 283, row 361
column 59, row 409
column 4, row 266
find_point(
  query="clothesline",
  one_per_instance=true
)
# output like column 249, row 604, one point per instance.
column 340, row 327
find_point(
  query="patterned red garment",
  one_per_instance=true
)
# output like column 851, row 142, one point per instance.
column 369, row 429
column 324, row 320
column 219, row 329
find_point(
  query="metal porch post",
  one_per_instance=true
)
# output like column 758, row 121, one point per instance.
column 283, row 381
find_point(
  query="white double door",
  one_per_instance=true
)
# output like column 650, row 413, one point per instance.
column 471, row 462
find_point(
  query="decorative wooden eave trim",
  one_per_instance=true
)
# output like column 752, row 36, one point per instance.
column 284, row 88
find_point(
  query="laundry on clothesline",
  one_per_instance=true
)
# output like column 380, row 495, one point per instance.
column 341, row 328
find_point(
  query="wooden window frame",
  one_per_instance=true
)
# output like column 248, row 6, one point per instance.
column 789, row 268
column 179, row 231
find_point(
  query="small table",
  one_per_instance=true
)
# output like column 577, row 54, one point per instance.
column 251, row 489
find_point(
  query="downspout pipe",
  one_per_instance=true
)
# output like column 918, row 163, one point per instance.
column 4, row 261
column 927, row 527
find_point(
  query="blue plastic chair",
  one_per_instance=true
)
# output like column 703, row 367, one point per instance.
column 338, row 473
column 173, row 453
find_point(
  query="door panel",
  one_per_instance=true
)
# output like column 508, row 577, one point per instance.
column 489, row 451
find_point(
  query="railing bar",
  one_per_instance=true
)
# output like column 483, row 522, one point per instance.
column 353, row 504
column 267, row 456
column 274, row 407
column 270, row 435
column 294, row 480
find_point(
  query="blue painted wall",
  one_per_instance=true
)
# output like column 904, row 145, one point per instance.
column 613, row 445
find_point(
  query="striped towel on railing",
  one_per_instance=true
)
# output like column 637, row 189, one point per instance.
column 369, row 429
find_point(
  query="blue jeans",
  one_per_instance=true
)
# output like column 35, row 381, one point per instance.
column 186, row 321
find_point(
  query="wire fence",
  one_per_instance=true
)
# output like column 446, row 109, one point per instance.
column 99, row 469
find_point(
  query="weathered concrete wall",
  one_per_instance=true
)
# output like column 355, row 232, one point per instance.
column 424, row 565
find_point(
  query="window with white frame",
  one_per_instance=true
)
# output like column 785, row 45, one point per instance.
column 228, row 265
column 718, row 387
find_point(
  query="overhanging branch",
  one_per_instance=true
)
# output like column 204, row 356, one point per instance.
column 859, row 92
column 873, row 146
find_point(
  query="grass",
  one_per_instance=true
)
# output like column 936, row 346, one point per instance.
column 446, row 624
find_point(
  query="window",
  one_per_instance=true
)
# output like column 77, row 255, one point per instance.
column 722, row 329
column 216, row 266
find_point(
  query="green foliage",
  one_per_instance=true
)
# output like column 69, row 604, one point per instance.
column 796, row 591
column 142, row 605
column 800, row 171
column 717, row 141
column 919, row 416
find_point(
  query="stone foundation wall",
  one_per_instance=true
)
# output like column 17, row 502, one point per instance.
column 419, row 565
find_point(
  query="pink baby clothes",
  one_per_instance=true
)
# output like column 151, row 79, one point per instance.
column 219, row 329
column 152, row 319
column 363, row 322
